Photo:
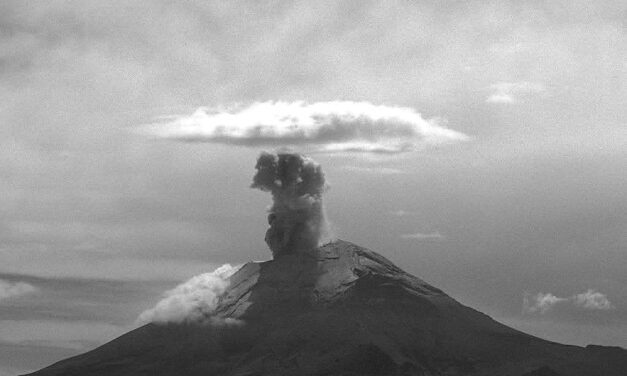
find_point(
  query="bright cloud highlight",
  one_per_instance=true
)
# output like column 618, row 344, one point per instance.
column 541, row 302
column 337, row 126
column 592, row 300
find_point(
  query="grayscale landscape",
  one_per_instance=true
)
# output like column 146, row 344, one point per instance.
column 313, row 188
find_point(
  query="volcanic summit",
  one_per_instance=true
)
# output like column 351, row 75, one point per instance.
column 331, row 308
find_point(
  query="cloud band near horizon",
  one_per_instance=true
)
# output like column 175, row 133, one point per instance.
column 544, row 302
column 336, row 126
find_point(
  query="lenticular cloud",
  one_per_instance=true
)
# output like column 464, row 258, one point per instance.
column 337, row 126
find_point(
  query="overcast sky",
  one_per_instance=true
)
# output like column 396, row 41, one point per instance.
column 521, row 213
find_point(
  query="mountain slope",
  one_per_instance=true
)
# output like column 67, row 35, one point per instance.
column 338, row 310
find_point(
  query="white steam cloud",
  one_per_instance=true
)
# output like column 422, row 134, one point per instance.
column 191, row 301
column 336, row 126
column 12, row 289
column 542, row 303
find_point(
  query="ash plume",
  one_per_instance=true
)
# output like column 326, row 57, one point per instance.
column 297, row 218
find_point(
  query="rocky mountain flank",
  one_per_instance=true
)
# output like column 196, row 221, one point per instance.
column 339, row 309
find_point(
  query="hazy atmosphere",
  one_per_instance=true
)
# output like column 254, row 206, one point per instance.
column 480, row 145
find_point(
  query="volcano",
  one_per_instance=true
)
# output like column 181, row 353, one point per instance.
column 338, row 309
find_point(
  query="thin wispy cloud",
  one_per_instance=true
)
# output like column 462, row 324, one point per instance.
column 57, row 333
column 543, row 302
column 510, row 92
column 402, row 213
column 337, row 126
column 540, row 302
column 10, row 289
column 374, row 170
column 423, row 236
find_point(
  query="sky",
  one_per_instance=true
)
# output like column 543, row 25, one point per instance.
column 509, row 194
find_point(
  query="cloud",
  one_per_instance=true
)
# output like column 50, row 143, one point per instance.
column 542, row 303
column 423, row 236
column 500, row 98
column 58, row 333
column 49, row 261
column 193, row 300
column 593, row 300
column 374, row 170
column 507, row 92
column 12, row 289
column 338, row 126
column 402, row 213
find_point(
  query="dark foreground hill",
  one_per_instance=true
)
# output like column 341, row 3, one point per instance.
column 338, row 310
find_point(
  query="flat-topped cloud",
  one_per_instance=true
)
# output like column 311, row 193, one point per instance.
column 337, row 126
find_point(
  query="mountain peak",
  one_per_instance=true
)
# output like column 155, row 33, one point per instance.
column 337, row 310
column 318, row 277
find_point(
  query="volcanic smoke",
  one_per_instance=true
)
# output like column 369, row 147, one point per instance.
column 297, row 219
